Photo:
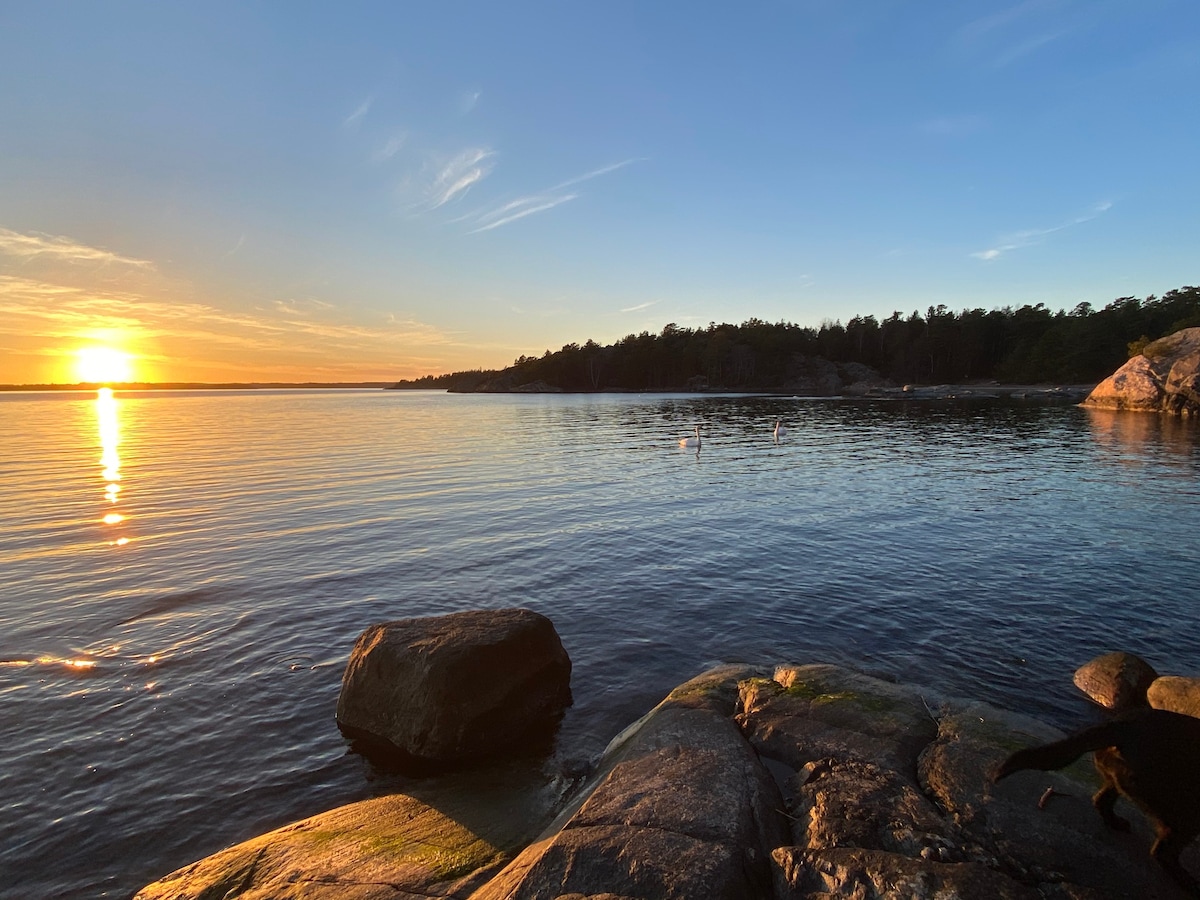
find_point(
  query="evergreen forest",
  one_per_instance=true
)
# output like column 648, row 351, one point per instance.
column 1026, row 345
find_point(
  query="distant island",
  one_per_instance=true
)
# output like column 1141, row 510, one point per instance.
column 1025, row 345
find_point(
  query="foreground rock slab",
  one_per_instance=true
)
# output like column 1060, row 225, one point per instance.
column 444, row 838
column 467, row 686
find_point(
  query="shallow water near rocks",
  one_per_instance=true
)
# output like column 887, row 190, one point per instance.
column 171, row 650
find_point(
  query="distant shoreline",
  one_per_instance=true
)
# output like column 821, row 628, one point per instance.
column 199, row 386
column 990, row 390
column 965, row 391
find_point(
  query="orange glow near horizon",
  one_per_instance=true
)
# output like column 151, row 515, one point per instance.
column 103, row 365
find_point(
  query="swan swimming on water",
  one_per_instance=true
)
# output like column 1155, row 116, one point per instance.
column 780, row 429
column 691, row 441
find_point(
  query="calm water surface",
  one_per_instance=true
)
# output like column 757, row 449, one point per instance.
column 183, row 575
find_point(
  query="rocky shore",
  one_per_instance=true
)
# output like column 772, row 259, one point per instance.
column 783, row 782
column 1045, row 393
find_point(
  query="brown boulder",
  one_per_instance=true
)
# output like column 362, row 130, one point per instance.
column 465, row 686
column 1165, row 377
column 1116, row 681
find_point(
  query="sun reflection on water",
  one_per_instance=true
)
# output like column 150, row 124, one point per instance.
column 107, row 412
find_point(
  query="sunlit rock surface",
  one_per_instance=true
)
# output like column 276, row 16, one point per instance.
column 1164, row 378
column 1117, row 681
column 1176, row 693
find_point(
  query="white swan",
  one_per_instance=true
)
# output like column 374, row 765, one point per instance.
column 691, row 441
column 780, row 429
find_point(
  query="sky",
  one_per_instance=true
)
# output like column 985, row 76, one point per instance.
column 329, row 192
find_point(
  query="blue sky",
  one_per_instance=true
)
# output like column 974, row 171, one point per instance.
column 350, row 191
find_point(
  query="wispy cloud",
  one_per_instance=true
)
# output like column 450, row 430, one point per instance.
column 535, row 203
column 1020, row 239
column 301, row 307
column 241, row 242
column 953, row 126
column 390, row 148
column 596, row 173
column 1026, row 47
column 1009, row 34
column 468, row 101
column 355, row 118
column 640, row 307
column 61, row 249
column 979, row 28
column 454, row 178
column 519, row 209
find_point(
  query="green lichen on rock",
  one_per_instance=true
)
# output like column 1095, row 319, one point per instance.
column 716, row 690
column 698, row 690
column 822, row 694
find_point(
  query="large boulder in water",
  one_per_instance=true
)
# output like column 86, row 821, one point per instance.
column 465, row 686
column 1165, row 377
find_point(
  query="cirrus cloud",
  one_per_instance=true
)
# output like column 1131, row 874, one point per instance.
column 1018, row 239
column 35, row 245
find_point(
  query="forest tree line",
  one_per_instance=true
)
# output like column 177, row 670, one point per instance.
column 1026, row 345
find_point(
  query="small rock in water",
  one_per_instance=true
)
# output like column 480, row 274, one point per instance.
column 1177, row 694
column 1117, row 681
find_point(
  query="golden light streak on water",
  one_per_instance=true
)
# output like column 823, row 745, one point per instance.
column 108, row 415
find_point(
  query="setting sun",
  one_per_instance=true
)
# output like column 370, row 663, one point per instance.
column 103, row 365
